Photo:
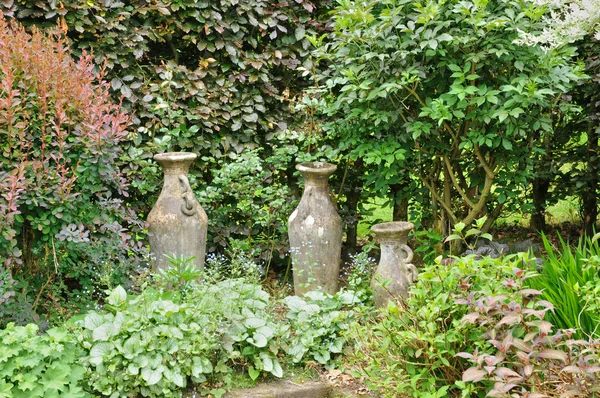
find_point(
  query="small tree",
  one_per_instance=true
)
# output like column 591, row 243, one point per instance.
column 463, row 104
column 574, row 21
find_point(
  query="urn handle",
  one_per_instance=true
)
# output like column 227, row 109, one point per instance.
column 188, row 207
column 413, row 274
column 409, row 253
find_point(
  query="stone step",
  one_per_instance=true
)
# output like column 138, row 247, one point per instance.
column 284, row 389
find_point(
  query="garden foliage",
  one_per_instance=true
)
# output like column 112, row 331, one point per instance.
column 524, row 353
column 319, row 322
column 201, row 333
column 212, row 77
column 34, row 365
column 468, row 321
column 197, row 336
column 152, row 343
column 439, row 93
column 249, row 199
column 570, row 277
column 62, row 210
column 572, row 163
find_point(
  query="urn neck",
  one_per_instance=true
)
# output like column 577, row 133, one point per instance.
column 312, row 186
column 175, row 163
column 316, row 174
column 392, row 232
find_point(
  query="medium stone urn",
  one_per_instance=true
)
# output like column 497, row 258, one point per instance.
column 178, row 224
column 315, row 232
column 395, row 273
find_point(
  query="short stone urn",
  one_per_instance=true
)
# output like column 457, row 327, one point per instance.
column 178, row 224
column 315, row 232
column 394, row 274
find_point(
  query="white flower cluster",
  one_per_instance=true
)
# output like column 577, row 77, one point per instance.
column 569, row 20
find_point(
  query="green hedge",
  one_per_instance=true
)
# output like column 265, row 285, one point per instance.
column 213, row 77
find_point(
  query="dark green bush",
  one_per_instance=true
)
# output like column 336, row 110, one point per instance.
column 249, row 203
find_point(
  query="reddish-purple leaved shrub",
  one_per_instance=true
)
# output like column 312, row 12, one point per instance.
column 61, row 208
column 525, row 357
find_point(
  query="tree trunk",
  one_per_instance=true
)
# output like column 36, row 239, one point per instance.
column 447, row 198
column 28, row 240
column 428, row 211
column 588, row 195
column 540, row 187
column 352, row 199
column 456, row 246
column 400, row 212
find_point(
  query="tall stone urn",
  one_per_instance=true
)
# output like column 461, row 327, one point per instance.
column 315, row 232
column 178, row 223
column 394, row 274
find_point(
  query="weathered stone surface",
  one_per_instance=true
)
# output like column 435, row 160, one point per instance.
column 394, row 269
column 284, row 389
column 177, row 223
column 315, row 232
column 525, row 246
column 491, row 249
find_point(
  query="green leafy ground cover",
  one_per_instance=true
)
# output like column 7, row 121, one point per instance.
column 470, row 327
column 196, row 336
column 434, row 105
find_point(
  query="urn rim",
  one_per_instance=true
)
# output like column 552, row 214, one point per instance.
column 316, row 168
column 175, row 156
column 392, row 227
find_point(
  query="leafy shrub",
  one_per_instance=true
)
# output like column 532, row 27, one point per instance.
column 438, row 97
column 61, row 210
column 410, row 350
column 181, row 274
column 220, row 67
column 204, row 330
column 568, row 278
column 318, row 323
column 521, row 355
column 249, row 202
column 6, row 293
column 473, row 327
column 16, row 305
column 33, row 365
column 152, row 343
column 427, row 245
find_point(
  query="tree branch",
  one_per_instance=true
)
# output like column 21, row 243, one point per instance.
column 439, row 199
column 456, row 183
column 494, row 215
column 478, row 209
column 488, row 171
